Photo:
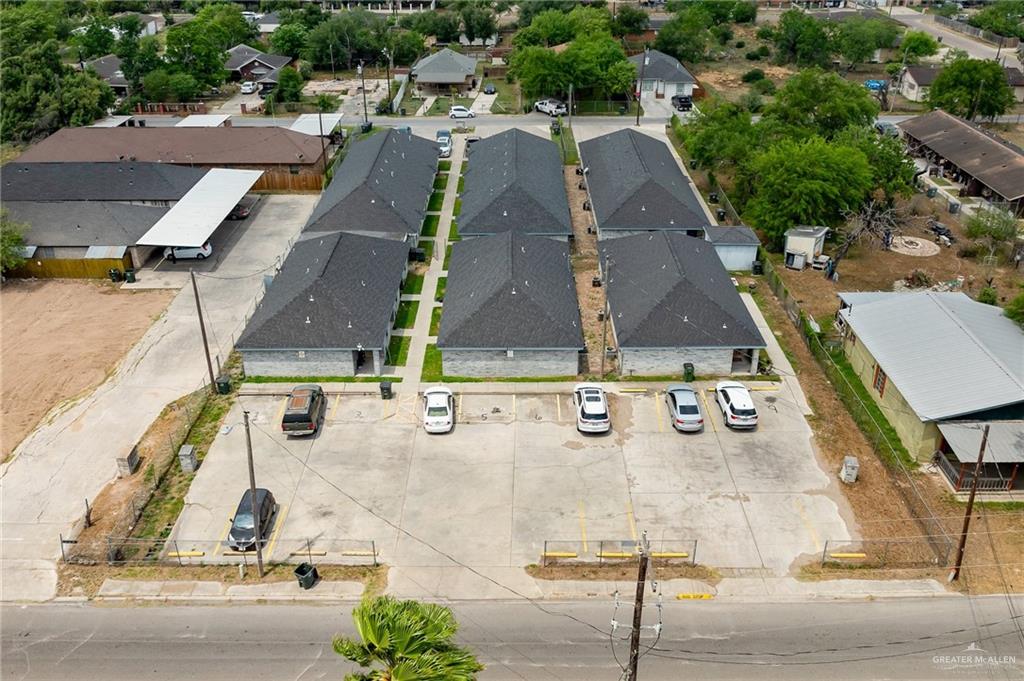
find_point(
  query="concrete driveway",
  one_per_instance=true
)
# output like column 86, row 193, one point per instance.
column 72, row 456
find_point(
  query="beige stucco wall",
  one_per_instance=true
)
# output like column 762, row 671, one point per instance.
column 921, row 438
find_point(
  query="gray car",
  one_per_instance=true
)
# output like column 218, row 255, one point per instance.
column 684, row 408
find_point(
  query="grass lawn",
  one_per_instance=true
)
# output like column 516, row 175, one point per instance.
column 398, row 350
column 440, row 182
column 567, row 147
column 458, row 207
column 453, row 232
column 462, row 183
column 428, row 248
column 435, row 321
column 321, row 379
column 442, row 286
column 465, row 164
column 406, row 317
column 442, row 104
column 413, row 284
column 433, row 373
column 605, row 108
column 430, row 225
column 508, row 99
column 444, row 166
column 431, row 364
column 436, row 199
column 447, row 257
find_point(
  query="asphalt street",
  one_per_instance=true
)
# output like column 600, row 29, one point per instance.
column 977, row 49
column 938, row 638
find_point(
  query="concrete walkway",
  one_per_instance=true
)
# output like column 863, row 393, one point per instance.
column 783, row 368
column 420, row 332
column 425, row 107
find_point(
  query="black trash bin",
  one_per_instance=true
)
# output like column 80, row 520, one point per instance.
column 713, row 197
column 757, row 267
column 114, row 274
column 688, row 371
column 307, row 575
column 366, row 127
column 223, row 384
column 385, row 390
column 129, row 275
column 720, row 213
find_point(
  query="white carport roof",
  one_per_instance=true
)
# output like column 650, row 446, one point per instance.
column 191, row 221
column 203, row 121
column 309, row 124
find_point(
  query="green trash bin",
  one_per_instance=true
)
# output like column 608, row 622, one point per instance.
column 223, row 384
column 307, row 575
column 932, row 191
column 688, row 372
column 129, row 275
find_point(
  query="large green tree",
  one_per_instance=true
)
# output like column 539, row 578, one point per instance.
column 528, row 10
column 630, row 20
column 804, row 183
column 96, row 40
column 478, row 23
column 721, row 135
column 289, row 85
column 289, row 39
column 196, row 48
column 12, row 240
column 802, row 39
column 686, row 37
column 970, row 88
column 892, row 171
column 538, row 70
column 1002, row 17
column 346, row 38
column 858, row 38
column 406, row 641
column 822, row 103
column 226, row 24
column 916, row 45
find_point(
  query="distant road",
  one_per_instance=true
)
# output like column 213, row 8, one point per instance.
column 975, row 48
column 884, row 639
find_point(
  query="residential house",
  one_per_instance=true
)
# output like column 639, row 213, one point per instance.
column 77, row 213
column 289, row 160
column 662, row 75
column 917, row 80
column 444, row 70
column 329, row 311
column 985, row 164
column 635, row 184
column 248, row 63
column 268, row 23
column 151, row 23
column 380, row 189
column 1015, row 79
column 933, row 360
column 510, row 309
column 736, row 246
column 514, row 181
column 109, row 69
column 671, row 302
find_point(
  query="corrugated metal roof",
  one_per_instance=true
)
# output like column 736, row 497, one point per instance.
column 105, row 252
column 1005, row 441
column 202, row 121
column 863, row 297
column 309, row 124
column 947, row 355
column 191, row 221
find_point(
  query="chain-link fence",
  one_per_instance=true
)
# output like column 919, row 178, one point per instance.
column 611, row 551
column 884, row 553
column 276, row 550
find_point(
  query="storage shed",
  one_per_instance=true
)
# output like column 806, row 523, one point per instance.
column 803, row 245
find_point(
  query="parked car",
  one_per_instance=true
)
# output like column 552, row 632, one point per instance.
column 684, row 408
column 239, row 212
column 886, row 129
column 489, row 89
column 444, row 143
column 242, row 535
column 176, row 253
column 552, row 107
column 458, row 111
column 304, row 411
column 249, row 88
column 591, row 408
column 737, row 407
column 438, row 410
column 682, row 103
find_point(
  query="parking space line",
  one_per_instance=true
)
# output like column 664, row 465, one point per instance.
column 807, row 523
column 583, row 525
column 657, row 408
column 222, row 542
column 280, row 413
column 558, row 403
column 632, row 520
column 513, row 407
column 337, row 403
column 460, row 407
column 707, row 410
column 281, row 515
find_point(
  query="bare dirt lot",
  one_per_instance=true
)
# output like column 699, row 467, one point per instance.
column 61, row 338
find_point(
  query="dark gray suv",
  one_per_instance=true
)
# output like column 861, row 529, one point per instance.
column 242, row 535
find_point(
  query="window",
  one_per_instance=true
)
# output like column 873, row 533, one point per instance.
column 880, row 379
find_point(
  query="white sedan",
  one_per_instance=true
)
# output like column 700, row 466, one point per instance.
column 458, row 111
column 438, row 410
column 591, row 408
column 737, row 407
column 176, row 253
column 249, row 88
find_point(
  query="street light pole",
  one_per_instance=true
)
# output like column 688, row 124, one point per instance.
column 257, row 535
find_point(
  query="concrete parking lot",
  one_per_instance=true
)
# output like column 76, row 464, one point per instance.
column 515, row 473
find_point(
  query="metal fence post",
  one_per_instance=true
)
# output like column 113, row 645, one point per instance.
column 824, row 552
column 373, row 547
column 62, row 556
column 88, row 514
column 544, row 556
column 177, row 553
column 693, row 556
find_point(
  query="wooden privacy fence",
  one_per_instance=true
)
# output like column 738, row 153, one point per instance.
column 287, row 182
column 71, row 268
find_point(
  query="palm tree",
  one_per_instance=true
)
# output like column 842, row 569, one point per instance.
column 409, row 640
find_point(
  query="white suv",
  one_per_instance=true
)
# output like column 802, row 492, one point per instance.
column 460, row 112
column 737, row 407
column 176, row 253
column 552, row 107
column 249, row 88
column 591, row 408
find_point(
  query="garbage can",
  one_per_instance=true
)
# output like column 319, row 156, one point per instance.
column 713, row 197
column 757, row 267
column 693, row 163
column 223, row 384
column 932, row 192
column 307, row 575
column 366, row 127
column 954, row 207
column 129, row 275
column 114, row 274
column 622, row 111
column 402, row 111
column 720, row 214
column 385, row 390
column 688, row 371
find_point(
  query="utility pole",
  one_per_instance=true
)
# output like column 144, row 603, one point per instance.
column 202, row 330
column 640, row 83
column 257, row 534
column 604, row 327
column 387, row 65
column 955, row 574
column 638, row 610
column 362, row 77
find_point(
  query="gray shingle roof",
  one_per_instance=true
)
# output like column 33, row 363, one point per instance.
column 382, row 186
column 87, row 181
column 636, row 184
column 240, row 55
column 924, row 76
column 445, row 66
column 669, row 290
column 83, row 223
column 662, row 67
column 344, row 284
column 515, row 182
column 510, row 291
column 732, row 235
column 982, row 364
column 109, row 69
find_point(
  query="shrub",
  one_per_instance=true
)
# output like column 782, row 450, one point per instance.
column 970, row 250
column 740, row 44
column 765, row 33
column 753, row 56
column 919, row 279
column 752, row 75
column 764, row 50
column 752, row 102
column 764, row 87
column 723, row 33
column 988, row 296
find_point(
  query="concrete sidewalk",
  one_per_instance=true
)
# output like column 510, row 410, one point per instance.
column 783, row 368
